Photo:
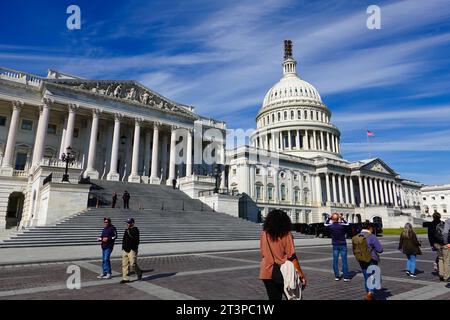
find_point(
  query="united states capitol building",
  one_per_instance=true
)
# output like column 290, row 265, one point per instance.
column 123, row 131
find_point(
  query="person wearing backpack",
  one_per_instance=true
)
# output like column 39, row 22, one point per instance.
column 366, row 249
column 441, row 243
column 130, row 245
column 337, row 226
column 410, row 246
column 277, row 247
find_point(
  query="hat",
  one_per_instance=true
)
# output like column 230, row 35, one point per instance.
column 130, row 220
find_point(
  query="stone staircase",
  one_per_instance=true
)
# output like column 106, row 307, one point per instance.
column 161, row 213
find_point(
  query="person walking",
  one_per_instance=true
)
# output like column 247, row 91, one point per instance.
column 174, row 183
column 130, row 245
column 126, row 200
column 337, row 226
column 107, row 238
column 366, row 249
column 410, row 246
column 277, row 247
column 443, row 249
column 114, row 200
column 431, row 226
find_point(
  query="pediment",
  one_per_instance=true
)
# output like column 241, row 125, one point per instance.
column 126, row 91
column 378, row 166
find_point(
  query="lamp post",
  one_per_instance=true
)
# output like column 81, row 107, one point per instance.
column 67, row 157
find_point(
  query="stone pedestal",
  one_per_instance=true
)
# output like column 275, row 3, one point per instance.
column 193, row 184
column 60, row 200
column 113, row 177
column 134, row 179
column 92, row 174
column 222, row 203
column 6, row 171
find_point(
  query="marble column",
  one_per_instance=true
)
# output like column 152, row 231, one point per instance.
column 289, row 140
column 337, row 144
column 322, row 145
column 352, row 192
column 372, row 197
column 380, row 185
column 315, row 140
column 90, row 170
column 163, row 167
column 333, row 180
column 189, row 154
column 377, row 195
column 281, row 140
column 70, row 126
column 297, row 137
column 154, row 169
column 63, row 139
column 346, row 190
column 328, row 141
column 362, row 198
column 306, row 144
column 386, row 192
column 134, row 176
column 7, row 164
column 39, row 144
column 222, row 161
column 147, row 152
column 173, row 141
column 391, row 192
column 327, row 184
column 113, row 173
column 341, row 198
column 318, row 190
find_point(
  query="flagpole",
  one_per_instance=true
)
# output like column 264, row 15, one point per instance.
column 368, row 144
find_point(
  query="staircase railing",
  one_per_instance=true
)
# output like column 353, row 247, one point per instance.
column 210, row 192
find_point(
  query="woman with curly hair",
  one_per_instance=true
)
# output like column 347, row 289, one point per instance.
column 277, row 246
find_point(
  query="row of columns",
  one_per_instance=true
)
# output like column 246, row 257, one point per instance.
column 67, row 140
column 373, row 191
column 316, row 140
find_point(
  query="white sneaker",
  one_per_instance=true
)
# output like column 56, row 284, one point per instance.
column 100, row 276
column 108, row 276
column 337, row 279
column 346, row 280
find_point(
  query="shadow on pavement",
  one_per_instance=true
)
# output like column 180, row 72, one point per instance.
column 158, row 276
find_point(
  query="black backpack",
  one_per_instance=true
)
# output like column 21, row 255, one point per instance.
column 439, row 233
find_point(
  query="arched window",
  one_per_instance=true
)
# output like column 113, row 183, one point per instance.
column 306, row 114
column 270, row 192
column 273, row 117
column 296, row 195
column 299, row 114
column 279, row 116
column 292, row 114
column 259, row 191
column 285, row 115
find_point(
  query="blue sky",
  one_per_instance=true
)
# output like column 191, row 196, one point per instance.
column 223, row 56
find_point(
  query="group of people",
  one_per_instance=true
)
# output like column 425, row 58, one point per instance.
column 277, row 250
column 130, row 245
column 125, row 197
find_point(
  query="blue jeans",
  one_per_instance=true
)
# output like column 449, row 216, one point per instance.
column 364, row 266
column 411, row 263
column 342, row 251
column 106, row 265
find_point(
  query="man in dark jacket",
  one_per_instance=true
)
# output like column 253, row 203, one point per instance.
column 130, row 246
column 431, row 233
column 126, row 200
column 114, row 200
column 108, row 237
column 337, row 226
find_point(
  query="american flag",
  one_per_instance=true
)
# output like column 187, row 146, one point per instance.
column 370, row 134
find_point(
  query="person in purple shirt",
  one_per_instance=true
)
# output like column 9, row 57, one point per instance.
column 375, row 249
column 337, row 226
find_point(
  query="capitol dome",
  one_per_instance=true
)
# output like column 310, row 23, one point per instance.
column 293, row 119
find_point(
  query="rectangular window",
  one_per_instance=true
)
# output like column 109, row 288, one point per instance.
column 2, row 121
column 234, row 172
column 442, row 198
column 26, row 125
column 258, row 171
column 51, row 129
column 21, row 160
column 296, row 196
column 270, row 193
column 258, row 192
column 76, row 132
column 424, row 198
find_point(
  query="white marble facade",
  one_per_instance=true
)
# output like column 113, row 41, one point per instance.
column 436, row 198
column 117, row 130
column 294, row 162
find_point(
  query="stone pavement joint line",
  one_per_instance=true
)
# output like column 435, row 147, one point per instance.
column 424, row 293
column 152, row 289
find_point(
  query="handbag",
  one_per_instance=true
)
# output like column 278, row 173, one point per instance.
column 277, row 276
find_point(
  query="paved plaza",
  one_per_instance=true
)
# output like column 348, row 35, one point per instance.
column 222, row 275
